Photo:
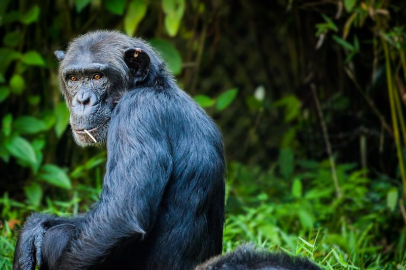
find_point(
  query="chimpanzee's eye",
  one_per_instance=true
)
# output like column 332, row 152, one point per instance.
column 97, row 76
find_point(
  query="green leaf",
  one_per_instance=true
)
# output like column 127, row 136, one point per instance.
column 172, row 23
column 286, row 162
column 169, row 53
column 55, row 176
column 225, row 99
column 135, row 12
column 10, row 17
column 306, row 219
column 29, row 125
column 343, row 43
column 2, row 79
column 115, row 6
column 349, row 4
column 81, row 4
column 291, row 106
column 33, row 193
column 392, row 199
column 204, row 101
column 297, row 188
column 33, row 58
column 7, row 120
column 173, row 10
column 62, row 118
column 4, row 92
column 34, row 100
column 21, row 149
column 7, row 56
column 30, row 16
column 12, row 39
column 17, row 84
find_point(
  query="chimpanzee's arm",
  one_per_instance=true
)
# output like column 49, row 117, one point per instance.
column 138, row 169
column 28, row 248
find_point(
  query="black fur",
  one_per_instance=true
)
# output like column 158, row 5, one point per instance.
column 162, row 203
column 246, row 257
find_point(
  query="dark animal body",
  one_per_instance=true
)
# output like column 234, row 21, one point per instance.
column 162, row 202
column 246, row 257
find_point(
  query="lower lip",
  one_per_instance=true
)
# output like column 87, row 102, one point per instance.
column 83, row 132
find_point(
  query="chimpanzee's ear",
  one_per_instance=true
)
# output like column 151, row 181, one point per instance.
column 60, row 55
column 138, row 62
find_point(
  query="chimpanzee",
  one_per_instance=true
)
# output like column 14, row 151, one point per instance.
column 162, row 203
column 248, row 257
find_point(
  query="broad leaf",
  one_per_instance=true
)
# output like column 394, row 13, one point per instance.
column 169, row 53
column 6, row 124
column 81, row 4
column 349, row 4
column 392, row 199
column 225, row 99
column 21, row 149
column 204, row 101
column 174, row 10
column 135, row 12
column 32, row 58
column 55, row 176
column 115, row 6
column 297, row 188
column 29, row 125
column 31, row 15
column 17, row 84
column 4, row 92
column 33, row 193
column 12, row 39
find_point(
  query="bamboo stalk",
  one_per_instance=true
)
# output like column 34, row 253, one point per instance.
column 327, row 141
column 395, row 123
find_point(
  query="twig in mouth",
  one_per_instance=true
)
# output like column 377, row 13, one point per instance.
column 90, row 135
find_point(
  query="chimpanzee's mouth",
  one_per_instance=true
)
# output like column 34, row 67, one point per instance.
column 83, row 131
column 86, row 133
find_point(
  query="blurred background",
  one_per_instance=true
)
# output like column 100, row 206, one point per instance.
column 309, row 94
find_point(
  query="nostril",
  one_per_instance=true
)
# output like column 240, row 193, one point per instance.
column 83, row 98
column 86, row 101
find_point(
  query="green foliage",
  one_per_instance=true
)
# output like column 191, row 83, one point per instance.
column 55, row 176
column 169, row 53
column 21, row 149
column 225, row 99
column 115, row 6
column 135, row 13
column 280, row 189
column 174, row 10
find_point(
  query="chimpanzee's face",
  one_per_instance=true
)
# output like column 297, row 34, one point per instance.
column 94, row 75
column 91, row 96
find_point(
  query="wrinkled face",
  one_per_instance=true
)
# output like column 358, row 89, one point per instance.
column 95, row 72
column 91, row 96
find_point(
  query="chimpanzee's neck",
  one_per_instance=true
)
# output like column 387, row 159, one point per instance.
column 159, row 78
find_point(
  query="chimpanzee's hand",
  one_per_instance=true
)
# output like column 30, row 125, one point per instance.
column 28, row 249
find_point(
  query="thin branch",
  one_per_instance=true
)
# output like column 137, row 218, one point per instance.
column 327, row 141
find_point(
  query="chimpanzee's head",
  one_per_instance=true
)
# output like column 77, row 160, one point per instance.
column 96, row 70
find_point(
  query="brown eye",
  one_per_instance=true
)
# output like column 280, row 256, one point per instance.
column 73, row 78
column 97, row 76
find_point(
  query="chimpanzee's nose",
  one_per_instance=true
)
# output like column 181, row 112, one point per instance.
column 85, row 98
